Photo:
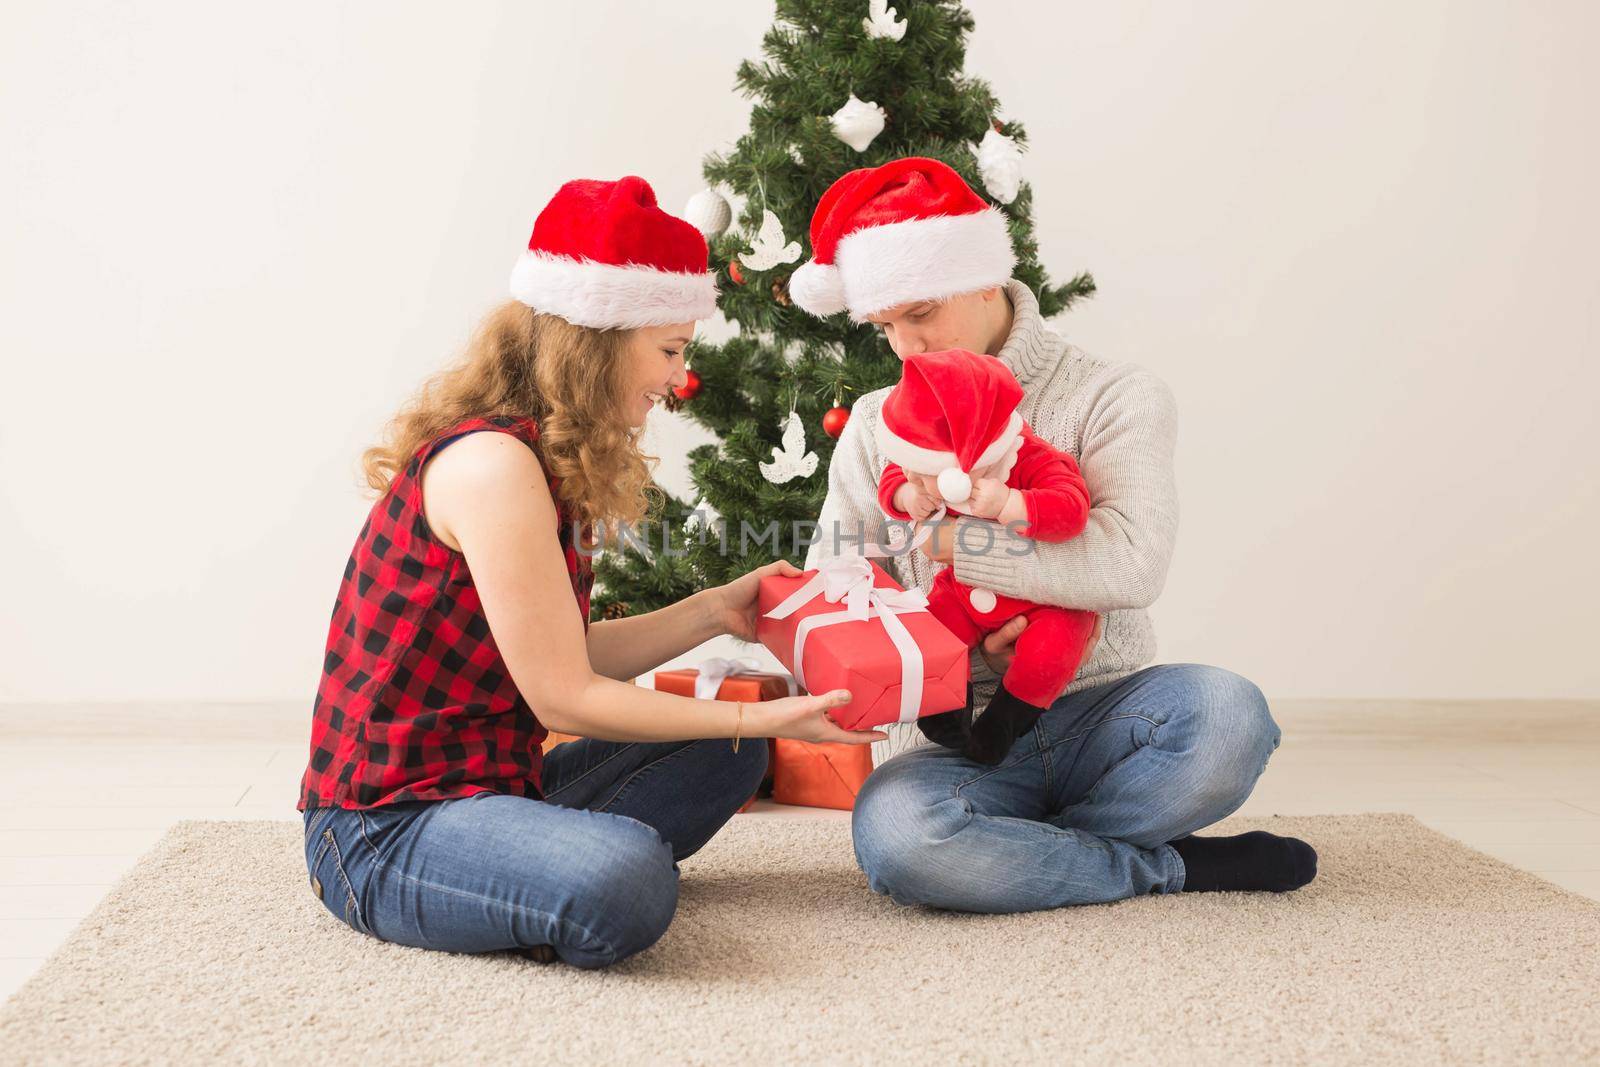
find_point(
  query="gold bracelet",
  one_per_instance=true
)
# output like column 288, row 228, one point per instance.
column 738, row 727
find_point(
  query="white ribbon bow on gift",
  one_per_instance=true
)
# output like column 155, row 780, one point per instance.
column 718, row 669
column 848, row 579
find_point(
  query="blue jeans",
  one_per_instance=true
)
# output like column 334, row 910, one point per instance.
column 1081, row 810
column 591, row 870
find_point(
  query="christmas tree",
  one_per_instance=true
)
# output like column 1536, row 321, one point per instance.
column 843, row 84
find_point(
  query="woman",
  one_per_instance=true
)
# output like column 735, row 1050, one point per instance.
column 460, row 634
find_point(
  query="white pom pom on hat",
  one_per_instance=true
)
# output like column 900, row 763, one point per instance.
column 955, row 485
column 818, row 288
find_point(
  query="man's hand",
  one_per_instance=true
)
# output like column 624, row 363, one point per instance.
column 940, row 545
column 998, row 648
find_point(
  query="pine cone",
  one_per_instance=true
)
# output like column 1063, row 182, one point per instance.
column 672, row 401
column 780, row 290
column 615, row 610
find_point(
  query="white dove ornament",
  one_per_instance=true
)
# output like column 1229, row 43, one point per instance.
column 768, row 249
column 792, row 460
column 881, row 21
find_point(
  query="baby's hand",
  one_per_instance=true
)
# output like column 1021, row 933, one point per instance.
column 989, row 495
column 910, row 499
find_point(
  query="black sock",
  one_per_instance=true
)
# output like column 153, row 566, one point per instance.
column 1006, row 718
column 949, row 728
column 1253, row 861
column 538, row 953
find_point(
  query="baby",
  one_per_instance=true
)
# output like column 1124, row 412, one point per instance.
column 952, row 434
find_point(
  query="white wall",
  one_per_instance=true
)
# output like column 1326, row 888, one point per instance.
column 1358, row 240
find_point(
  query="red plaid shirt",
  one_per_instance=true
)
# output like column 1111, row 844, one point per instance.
column 416, row 702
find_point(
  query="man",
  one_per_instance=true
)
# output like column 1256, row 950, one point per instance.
column 1099, row 800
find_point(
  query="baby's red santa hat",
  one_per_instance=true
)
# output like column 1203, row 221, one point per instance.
column 951, row 413
column 604, row 255
column 908, row 230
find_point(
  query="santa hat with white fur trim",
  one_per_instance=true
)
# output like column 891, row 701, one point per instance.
column 604, row 255
column 951, row 413
column 908, row 230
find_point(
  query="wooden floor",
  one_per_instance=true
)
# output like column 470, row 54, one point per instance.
column 93, row 787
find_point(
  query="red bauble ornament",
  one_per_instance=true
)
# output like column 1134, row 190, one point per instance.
column 833, row 422
column 689, row 388
column 735, row 273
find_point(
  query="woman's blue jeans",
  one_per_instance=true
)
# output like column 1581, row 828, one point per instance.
column 591, row 870
column 1082, row 808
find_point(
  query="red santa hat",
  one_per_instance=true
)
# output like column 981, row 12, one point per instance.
column 908, row 230
column 951, row 413
column 604, row 255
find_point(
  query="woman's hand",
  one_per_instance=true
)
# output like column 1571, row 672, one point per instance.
column 805, row 718
column 733, row 606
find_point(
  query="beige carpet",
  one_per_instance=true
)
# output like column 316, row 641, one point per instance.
column 1409, row 948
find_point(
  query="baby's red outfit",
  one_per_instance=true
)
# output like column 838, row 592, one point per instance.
column 1053, row 644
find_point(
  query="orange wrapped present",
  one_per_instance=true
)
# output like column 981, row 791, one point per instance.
column 848, row 625
column 552, row 739
column 819, row 776
column 726, row 679
column 731, row 679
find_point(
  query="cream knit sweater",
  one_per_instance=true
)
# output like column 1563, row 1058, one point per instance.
column 1120, row 422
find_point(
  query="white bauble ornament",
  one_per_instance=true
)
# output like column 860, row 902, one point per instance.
column 881, row 21
column 1000, row 165
column 792, row 460
column 769, row 248
column 858, row 122
column 708, row 212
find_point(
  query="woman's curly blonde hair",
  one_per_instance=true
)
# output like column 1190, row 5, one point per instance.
column 570, row 379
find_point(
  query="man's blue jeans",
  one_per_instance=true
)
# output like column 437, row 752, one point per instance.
column 1081, row 809
column 590, row 870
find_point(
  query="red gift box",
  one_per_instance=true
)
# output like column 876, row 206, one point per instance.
column 860, row 631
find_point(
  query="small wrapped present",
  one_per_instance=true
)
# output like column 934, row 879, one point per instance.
column 848, row 625
column 731, row 679
column 819, row 775
column 726, row 679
